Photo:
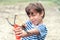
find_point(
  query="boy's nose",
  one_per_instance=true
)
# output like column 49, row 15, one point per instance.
column 31, row 18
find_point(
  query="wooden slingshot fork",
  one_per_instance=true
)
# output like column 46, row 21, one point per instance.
column 15, row 26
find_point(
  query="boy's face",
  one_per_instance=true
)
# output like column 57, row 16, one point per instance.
column 35, row 17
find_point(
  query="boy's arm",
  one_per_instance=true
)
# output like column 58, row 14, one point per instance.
column 32, row 32
column 24, row 33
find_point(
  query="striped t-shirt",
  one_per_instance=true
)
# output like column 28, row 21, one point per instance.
column 41, row 28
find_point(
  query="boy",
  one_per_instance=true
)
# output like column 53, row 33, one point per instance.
column 34, row 27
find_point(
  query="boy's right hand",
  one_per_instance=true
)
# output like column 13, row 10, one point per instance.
column 17, row 29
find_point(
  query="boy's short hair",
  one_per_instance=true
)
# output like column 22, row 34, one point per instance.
column 36, row 6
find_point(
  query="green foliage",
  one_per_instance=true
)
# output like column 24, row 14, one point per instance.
column 57, row 1
column 16, row 1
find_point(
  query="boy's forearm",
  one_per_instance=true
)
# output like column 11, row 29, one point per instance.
column 31, row 32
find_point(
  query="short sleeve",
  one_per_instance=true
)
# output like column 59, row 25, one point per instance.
column 43, row 30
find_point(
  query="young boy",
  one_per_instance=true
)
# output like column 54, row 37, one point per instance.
column 35, row 29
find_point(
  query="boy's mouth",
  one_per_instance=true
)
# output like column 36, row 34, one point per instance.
column 35, row 22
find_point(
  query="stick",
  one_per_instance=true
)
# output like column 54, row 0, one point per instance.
column 9, row 22
column 15, row 19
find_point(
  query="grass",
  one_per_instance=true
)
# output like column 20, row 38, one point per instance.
column 4, row 2
column 15, row 1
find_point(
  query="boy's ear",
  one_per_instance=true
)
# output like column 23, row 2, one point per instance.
column 42, row 13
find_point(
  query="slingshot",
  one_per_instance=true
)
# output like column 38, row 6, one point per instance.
column 15, row 26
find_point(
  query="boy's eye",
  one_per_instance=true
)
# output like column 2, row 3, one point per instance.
column 32, row 14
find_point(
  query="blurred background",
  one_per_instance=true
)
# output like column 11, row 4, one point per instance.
column 9, row 8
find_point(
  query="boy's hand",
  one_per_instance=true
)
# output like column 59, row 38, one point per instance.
column 19, row 31
column 15, row 25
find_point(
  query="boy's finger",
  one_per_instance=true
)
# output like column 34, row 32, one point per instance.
column 18, row 33
column 17, row 30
